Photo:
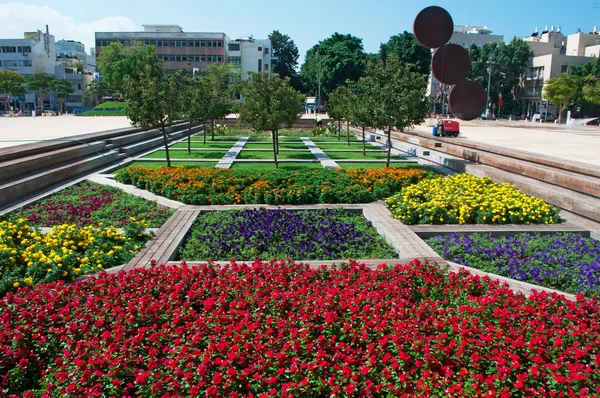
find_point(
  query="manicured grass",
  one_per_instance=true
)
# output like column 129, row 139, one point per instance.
column 381, row 165
column 342, row 146
column 333, row 139
column 196, row 144
column 195, row 154
column 282, row 145
column 283, row 166
column 103, row 113
column 112, row 104
column 248, row 154
column 156, row 165
column 324, row 234
column 358, row 155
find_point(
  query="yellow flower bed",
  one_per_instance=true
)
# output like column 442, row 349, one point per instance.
column 464, row 199
column 28, row 257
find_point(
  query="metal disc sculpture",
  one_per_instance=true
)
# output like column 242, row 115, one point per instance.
column 451, row 63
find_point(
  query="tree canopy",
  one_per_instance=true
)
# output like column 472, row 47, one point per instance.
column 40, row 83
column 409, row 52
column 342, row 59
column 61, row 89
column 286, row 51
column 560, row 90
column 11, row 82
column 219, row 81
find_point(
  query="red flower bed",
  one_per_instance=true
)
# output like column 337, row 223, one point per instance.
column 282, row 329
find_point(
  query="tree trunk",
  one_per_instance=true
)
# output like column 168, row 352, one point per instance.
column 212, row 128
column 389, row 154
column 190, row 137
column 8, row 104
column 348, row 131
column 166, row 140
column 277, row 140
column 204, row 133
column 339, row 129
column 274, row 132
column 364, row 144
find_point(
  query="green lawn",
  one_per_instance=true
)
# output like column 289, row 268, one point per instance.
column 334, row 139
column 379, row 165
column 156, row 165
column 112, row 104
column 353, row 145
column 216, row 145
column 195, row 154
column 248, row 154
column 284, row 166
column 282, row 145
column 358, row 155
column 103, row 113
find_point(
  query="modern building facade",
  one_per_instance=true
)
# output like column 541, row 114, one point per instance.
column 35, row 53
column 178, row 49
column 251, row 55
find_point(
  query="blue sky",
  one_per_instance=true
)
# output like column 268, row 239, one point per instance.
column 305, row 22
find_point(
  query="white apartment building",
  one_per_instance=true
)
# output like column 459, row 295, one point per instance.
column 252, row 55
column 35, row 53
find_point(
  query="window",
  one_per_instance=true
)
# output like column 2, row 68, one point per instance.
column 259, row 48
column 266, row 67
column 9, row 49
column 202, row 44
column 146, row 42
column 266, row 51
column 172, row 58
column 202, row 58
column 260, row 65
column 564, row 69
column 25, row 63
column 234, row 46
column 210, row 44
column 172, row 43
column 10, row 63
column 73, row 98
column 235, row 60
column 24, row 49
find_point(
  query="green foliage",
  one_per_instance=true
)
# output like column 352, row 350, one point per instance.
column 397, row 95
column 11, row 82
column 338, row 104
column 41, row 83
column 79, row 66
column 409, row 52
column 591, row 90
column 285, row 49
column 343, row 59
column 560, row 90
column 509, row 63
column 112, row 105
column 61, row 89
column 220, row 91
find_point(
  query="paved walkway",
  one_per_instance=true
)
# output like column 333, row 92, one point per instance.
column 319, row 154
column 230, row 156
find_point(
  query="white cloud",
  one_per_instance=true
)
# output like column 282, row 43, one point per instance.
column 17, row 18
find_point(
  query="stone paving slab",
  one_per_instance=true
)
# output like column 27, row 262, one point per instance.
column 319, row 154
column 428, row 231
column 227, row 160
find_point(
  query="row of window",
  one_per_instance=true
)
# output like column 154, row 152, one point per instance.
column 13, row 63
column 15, row 49
column 191, row 58
column 73, row 98
column 166, row 43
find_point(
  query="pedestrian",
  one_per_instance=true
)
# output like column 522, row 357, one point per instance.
column 319, row 120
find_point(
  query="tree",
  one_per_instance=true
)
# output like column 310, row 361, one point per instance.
column 155, row 101
column 61, row 88
column 342, row 59
column 196, row 104
column 560, row 90
column 269, row 104
column 337, row 106
column 96, row 90
column 117, row 62
column 220, row 91
column 286, row 51
column 361, row 107
column 398, row 96
column 79, row 66
column 409, row 52
column 41, row 83
column 591, row 90
column 11, row 83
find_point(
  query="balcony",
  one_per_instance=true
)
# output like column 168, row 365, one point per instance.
column 531, row 92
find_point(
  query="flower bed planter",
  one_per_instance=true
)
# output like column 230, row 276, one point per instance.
column 282, row 329
column 249, row 234
column 566, row 262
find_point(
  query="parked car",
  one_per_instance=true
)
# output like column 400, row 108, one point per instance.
column 548, row 117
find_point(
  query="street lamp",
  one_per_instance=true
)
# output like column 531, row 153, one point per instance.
column 319, row 92
column 487, row 104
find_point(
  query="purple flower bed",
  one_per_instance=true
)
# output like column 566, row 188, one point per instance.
column 567, row 262
column 300, row 235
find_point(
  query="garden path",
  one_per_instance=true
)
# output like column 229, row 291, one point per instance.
column 230, row 156
column 319, row 154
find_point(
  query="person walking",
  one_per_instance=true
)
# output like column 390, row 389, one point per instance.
column 318, row 120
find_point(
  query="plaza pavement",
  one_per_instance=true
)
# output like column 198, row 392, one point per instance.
column 577, row 143
column 24, row 130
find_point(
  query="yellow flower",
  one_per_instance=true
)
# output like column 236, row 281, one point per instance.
column 16, row 284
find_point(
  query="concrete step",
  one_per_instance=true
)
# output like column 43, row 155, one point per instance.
column 24, row 187
column 134, row 149
column 13, row 169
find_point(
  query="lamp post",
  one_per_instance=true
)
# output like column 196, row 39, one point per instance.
column 487, row 104
column 319, row 91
